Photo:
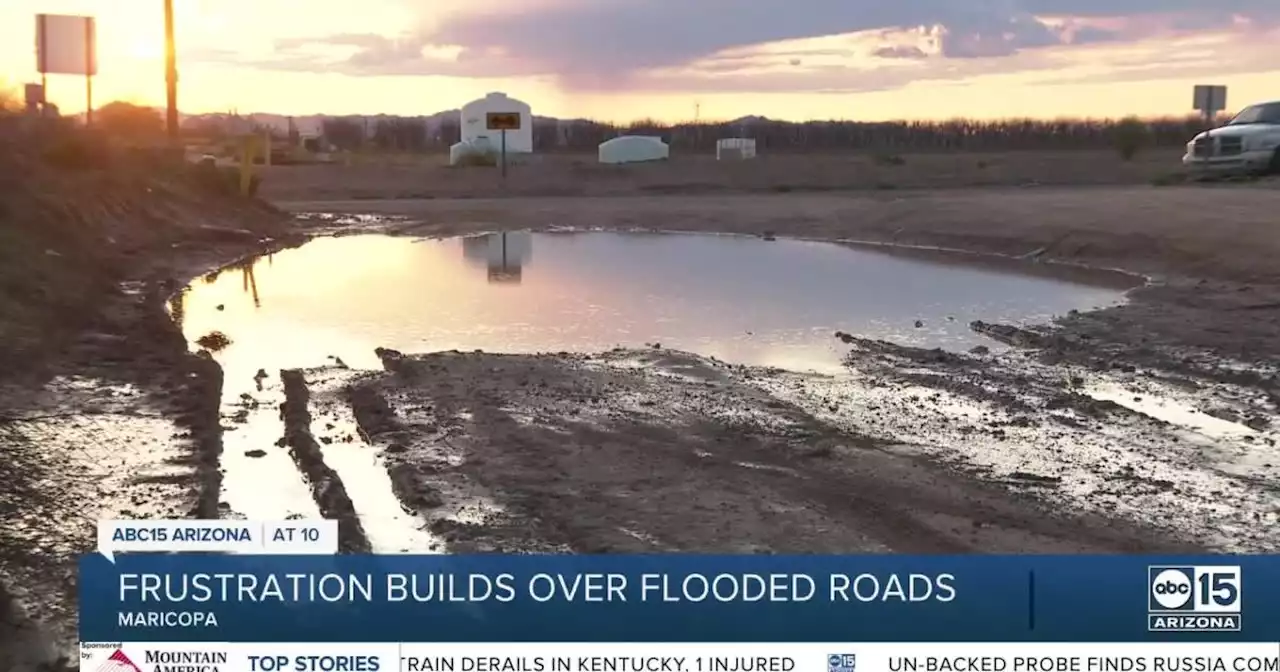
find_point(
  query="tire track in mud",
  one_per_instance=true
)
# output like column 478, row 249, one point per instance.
column 326, row 486
column 389, row 525
column 205, row 421
column 453, row 506
column 1041, row 427
column 596, row 454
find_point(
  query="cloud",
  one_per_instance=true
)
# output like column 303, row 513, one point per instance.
column 1092, row 35
column 615, row 44
column 623, row 36
column 900, row 51
column 620, row 37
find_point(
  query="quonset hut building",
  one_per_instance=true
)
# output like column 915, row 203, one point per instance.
column 476, row 136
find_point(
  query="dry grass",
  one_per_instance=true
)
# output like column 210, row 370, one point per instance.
column 583, row 175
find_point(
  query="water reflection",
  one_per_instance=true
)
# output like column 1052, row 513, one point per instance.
column 178, row 306
column 504, row 255
column 250, row 280
column 742, row 300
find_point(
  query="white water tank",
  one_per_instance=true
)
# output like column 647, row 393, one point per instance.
column 735, row 148
column 475, row 129
column 459, row 151
column 633, row 149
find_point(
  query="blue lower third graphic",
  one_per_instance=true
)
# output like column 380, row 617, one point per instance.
column 678, row 598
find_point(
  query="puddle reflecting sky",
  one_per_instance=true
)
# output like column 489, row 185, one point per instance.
column 743, row 300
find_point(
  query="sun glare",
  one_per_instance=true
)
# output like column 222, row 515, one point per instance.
column 130, row 35
column 145, row 50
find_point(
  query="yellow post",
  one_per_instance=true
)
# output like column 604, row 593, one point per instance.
column 246, row 164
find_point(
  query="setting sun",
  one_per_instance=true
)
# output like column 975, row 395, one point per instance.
column 145, row 50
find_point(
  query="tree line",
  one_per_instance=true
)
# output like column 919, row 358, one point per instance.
column 415, row 135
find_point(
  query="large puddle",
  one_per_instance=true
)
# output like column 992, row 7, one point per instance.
column 742, row 300
column 739, row 299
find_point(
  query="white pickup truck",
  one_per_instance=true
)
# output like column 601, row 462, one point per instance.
column 1249, row 142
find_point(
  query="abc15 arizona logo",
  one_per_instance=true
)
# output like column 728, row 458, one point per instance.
column 1203, row 598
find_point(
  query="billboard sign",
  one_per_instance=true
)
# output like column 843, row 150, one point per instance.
column 1210, row 99
column 66, row 45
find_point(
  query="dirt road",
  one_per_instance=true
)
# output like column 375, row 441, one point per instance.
column 577, row 175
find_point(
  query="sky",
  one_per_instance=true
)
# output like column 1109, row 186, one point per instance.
column 674, row 60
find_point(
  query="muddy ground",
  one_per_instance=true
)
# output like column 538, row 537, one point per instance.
column 1159, row 416
column 105, row 413
column 660, row 451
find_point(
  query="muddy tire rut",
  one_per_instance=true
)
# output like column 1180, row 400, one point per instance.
column 665, row 451
column 326, row 486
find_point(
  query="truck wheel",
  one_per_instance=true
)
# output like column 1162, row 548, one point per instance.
column 1274, row 167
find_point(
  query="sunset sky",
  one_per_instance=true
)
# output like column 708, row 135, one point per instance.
column 624, row 59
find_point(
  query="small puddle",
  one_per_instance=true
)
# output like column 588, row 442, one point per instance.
column 1228, row 447
column 741, row 300
column 1172, row 411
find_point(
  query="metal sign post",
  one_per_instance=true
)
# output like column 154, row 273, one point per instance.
column 503, row 122
column 1209, row 100
column 90, row 48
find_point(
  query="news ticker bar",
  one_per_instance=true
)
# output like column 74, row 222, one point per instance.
column 680, row 657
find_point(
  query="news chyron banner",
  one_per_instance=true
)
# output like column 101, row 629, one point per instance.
column 275, row 597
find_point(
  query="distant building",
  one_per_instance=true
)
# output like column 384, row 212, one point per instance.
column 633, row 149
column 735, row 148
column 475, row 129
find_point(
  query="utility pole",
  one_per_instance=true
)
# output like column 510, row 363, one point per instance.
column 170, row 73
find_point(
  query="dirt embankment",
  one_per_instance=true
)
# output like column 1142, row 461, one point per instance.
column 103, row 411
column 582, row 175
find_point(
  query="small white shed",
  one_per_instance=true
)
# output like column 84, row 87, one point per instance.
column 633, row 149
column 475, row 123
column 735, row 148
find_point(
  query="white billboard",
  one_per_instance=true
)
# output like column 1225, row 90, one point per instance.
column 1209, row 98
column 66, row 45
